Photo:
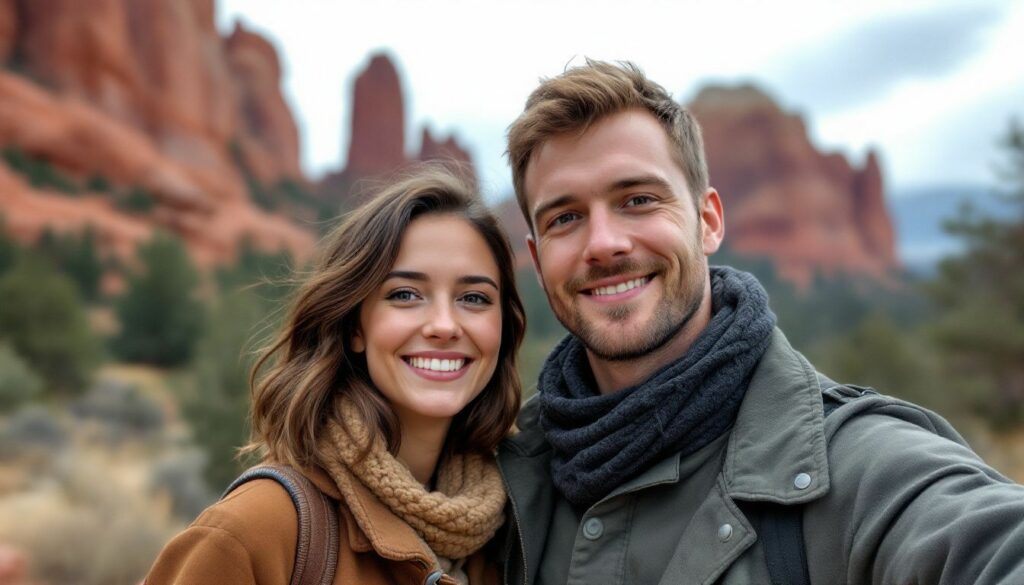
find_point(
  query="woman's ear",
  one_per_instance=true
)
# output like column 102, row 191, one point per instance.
column 357, row 343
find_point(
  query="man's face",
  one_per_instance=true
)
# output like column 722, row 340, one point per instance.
column 618, row 243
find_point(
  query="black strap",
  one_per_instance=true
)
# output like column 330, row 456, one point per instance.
column 780, row 526
column 780, row 530
column 316, row 550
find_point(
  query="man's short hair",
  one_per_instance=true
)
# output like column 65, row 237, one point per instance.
column 582, row 95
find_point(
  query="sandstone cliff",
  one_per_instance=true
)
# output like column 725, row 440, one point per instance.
column 809, row 212
column 144, row 95
column 377, row 148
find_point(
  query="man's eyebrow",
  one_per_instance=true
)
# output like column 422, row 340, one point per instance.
column 640, row 181
column 422, row 276
column 547, row 206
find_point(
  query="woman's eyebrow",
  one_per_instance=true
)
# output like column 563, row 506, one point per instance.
column 477, row 279
column 407, row 274
column 422, row 276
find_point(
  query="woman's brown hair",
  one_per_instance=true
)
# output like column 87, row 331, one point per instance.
column 297, row 378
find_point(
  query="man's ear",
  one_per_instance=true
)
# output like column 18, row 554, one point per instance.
column 712, row 222
column 532, row 245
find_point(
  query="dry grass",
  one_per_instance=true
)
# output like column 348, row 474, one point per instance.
column 89, row 528
column 85, row 512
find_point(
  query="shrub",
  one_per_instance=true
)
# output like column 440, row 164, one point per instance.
column 98, row 183
column 91, row 530
column 218, row 406
column 32, row 428
column 180, row 475
column 18, row 383
column 75, row 255
column 39, row 172
column 160, row 317
column 123, row 409
column 43, row 319
column 136, row 200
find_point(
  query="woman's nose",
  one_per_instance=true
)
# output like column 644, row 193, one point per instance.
column 442, row 323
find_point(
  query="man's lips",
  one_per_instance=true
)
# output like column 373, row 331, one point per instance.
column 616, row 286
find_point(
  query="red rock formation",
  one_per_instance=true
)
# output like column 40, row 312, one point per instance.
column 447, row 150
column 8, row 27
column 809, row 212
column 511, row 218
column 267, row 133
column 210, row 212
column 145, row 93
column 377, row 146
column 871, row 212
column 377, row 143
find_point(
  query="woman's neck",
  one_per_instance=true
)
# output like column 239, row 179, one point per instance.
column 422, row 443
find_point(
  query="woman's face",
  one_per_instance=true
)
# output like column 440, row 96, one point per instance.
column 432, row 331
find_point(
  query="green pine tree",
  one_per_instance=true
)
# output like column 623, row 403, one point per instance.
column 160, row 316
column 43, row 319
column 218, row 406
column 980, row 297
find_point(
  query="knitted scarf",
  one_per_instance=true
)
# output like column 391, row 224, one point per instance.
column 455, row 521
column 600, row 441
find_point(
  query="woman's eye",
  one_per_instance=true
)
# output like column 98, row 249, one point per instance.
column 476, row 299
column 402, row 295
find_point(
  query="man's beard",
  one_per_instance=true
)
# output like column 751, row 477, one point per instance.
column 674, row 311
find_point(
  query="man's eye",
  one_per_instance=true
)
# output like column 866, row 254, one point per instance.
column 402, row 295
column 638, row 200
column 563, row 219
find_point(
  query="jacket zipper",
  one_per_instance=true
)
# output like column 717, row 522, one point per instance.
column 518, row 525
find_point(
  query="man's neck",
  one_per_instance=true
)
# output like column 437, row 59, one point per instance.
column 612, row 376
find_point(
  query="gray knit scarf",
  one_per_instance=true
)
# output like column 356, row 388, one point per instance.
column 602, row 441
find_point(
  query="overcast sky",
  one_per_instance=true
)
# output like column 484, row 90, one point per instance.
column 931, row 84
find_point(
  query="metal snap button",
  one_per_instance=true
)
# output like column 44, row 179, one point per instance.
column 433, row 578
column 593, row 528
column 725, row 532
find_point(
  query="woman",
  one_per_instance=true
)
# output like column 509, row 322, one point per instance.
column 389, row 386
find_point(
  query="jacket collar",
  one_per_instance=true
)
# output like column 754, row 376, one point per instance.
column 371, row 526
column 778, row 441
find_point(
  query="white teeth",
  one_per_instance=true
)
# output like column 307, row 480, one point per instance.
column 619, row 288
column 437, row 365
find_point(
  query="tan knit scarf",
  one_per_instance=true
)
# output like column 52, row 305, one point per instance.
column 455, row 520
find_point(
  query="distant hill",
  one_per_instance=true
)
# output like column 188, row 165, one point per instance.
column 919, row 214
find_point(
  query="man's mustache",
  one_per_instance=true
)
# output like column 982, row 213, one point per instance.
column 594, row 273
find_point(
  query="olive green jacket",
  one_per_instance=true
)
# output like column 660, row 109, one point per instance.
column 891, row 494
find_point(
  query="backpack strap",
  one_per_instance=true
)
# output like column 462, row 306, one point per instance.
column 316, row 550
column 781, row 533
column 780, row 526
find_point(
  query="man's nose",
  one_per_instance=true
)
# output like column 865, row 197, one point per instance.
column 606, row 239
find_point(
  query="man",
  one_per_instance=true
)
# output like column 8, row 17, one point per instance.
column 676, row 436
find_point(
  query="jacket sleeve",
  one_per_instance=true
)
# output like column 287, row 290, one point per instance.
column 248, row 538
column 914, row 506
column 203, row 555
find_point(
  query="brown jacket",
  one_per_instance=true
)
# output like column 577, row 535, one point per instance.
column 249, row 538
